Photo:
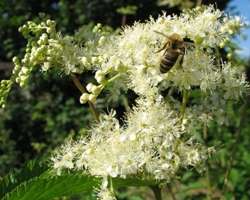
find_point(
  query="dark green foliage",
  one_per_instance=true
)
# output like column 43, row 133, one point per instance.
column 70, row 15
column 39, row 118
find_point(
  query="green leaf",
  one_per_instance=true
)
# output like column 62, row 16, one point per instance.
column 36, row 181
column 131, row 181
column 48, row 188
column 31, row 169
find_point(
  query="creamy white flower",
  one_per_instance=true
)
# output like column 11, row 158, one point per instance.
column 133, row 53
column 147, row 144
column 156, row 138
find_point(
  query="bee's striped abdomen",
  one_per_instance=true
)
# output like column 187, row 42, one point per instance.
column 168, row 60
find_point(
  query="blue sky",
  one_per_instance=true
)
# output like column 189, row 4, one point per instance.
column 243, row 9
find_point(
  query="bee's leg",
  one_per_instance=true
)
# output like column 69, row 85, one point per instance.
column 178, row 61
column 166, row 45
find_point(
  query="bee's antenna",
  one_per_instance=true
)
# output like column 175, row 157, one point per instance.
column 161, row 33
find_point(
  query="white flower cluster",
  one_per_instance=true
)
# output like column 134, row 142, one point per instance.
column 150, row 143
column 156, row 139
column 133, row 53
column 49, row 49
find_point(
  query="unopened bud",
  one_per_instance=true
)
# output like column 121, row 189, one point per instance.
column 101, row 40
column 92, row 98
column 84, row 98
column 97, row 90
column 99, row 76
column 84, row 61
column 90, row 87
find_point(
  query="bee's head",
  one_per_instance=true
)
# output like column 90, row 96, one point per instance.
column 176, row 41
column 175, row 38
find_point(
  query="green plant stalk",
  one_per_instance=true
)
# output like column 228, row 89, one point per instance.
column 124, row 20
column 113, row 78
column 205, row 129
column 157, row 192
column 184, row 104
column 82, row 89
column 209, row 193
column 169, row 188
column 198, row 3
column 205, row 135
column 234, row 147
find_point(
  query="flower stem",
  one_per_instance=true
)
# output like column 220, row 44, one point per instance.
column 198, row 3
column 82, row 89
column 234, row 146
column 209, row 186
column 169, row 188
column 113, row 78
column 124, row 20
column 157, row 192
column 184, row 103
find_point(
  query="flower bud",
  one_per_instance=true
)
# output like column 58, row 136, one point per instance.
column 25, row 70
column 49, row 30
column 99, row 76
column 84, row 98
column 15, row 60
column 90, row 87
column 92, row 98
column 101, row 40
column 229, row 55
column 84, row 61
column 96, row 90
column 231, row 32
column 222, row 44
column 198, row 40
column 94, row 60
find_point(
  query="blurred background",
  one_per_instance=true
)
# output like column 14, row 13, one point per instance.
column 47, row 112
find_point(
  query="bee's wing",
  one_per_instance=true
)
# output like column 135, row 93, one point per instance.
column 189, row 44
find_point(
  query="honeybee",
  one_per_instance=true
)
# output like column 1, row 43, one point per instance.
column 174, row 52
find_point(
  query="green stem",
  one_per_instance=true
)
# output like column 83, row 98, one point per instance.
column 111, row 184
column 169, row 188
column 198, row 3
column 205, row 135
column 234, row 147
column 113, row 78
column 184, row 103
column 82, row 89
column 157, row 192
column 125, row 103
column 205, row 130
column 124, row 20
column 209, row 193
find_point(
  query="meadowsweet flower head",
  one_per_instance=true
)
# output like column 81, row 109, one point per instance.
column 156, row 139
column 135, row 51
column 145, row 145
